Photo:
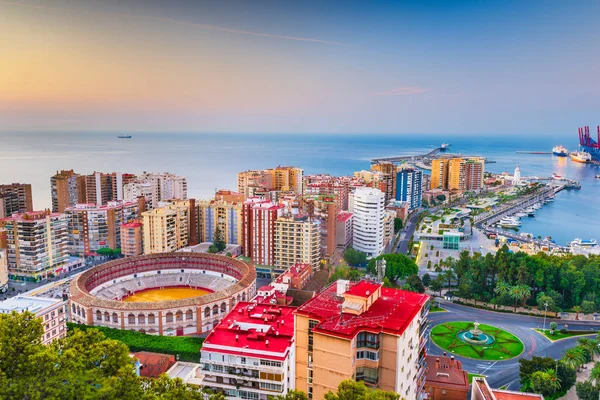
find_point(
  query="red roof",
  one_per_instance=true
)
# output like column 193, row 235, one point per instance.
column 344, row 216
column 132, row 225
column 392, row 312
column 154, row 364
column 259, row 329
column 363, row 289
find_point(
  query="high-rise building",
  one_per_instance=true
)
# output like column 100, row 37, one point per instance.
column 167, row 228
column 93, row 227
column 66, row 189
column 325, row 209
column 100, row 188
column 38, row 244
column 284, row 179
column 132, row 242
column 388, row 169
column 251, row 353
column 365, row 332
column 344, row 230
column 368, row 206
column 297, row 240
column 258, row 233
column 410, row 188
column 221, row 214
column 156, row 188
column 460, row 174
column 15, row 198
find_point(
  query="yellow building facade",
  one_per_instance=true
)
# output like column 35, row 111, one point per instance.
column 297, row 240
column 166, row 228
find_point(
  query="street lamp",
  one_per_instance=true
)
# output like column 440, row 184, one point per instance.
column 545, row 312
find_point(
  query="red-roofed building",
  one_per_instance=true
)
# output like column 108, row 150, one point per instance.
column 480, row 390
column 154, row 364
column 296, row 277
column 445, row 379
column 344, row 229
column 251, row 353
column 362, row 331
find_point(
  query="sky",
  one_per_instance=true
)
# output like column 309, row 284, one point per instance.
column 309, row 66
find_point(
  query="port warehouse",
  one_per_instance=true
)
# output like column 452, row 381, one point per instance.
column 96, row 295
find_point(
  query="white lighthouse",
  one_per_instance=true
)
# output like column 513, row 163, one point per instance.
column 517, row 176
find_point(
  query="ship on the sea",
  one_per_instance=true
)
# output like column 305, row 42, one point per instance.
column 444, row 146
column 581, row 157
column 560, row 151
column 589, row 145
column 124, row 136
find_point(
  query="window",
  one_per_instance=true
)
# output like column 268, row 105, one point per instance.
column 179, row 316
column 141, row 319
column 98, row 316
column 271, row 377
column 169, row 317
column 269, row 363
column 215, row 310
column 151, row 319
column 368, row 375
column 115, row 318
column 367, row 339
column 131, row 319
column 207, row 312
column 311, row 325
column 271, row 386
column 189, row 314
column 367, row 355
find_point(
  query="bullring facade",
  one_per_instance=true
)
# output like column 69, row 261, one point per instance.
column 96, row 296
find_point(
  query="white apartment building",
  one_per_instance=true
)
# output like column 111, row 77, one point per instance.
column 53, row 313
column 156, row 188
column 368, row 206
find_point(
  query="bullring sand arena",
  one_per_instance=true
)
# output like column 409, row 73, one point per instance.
column 169, row 294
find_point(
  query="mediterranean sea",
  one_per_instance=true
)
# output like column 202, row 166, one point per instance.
column 212, row 161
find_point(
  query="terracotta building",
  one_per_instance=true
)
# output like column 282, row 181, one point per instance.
column 445, row 379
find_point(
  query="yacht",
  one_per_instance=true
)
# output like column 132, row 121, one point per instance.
column 560, row 151
column 584, row 243
column 581, row 157
column 520, row 214
column 530, row 211
column 509, row 222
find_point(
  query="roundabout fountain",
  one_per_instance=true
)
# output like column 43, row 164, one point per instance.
column 477, row 341
column 476, row 336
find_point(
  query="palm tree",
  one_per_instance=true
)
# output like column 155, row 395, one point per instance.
column 502, row 288
column 594, row 377
column 594, row 347
column 519, row 293
column 449, row 275
column 573, row 358
column 554, row 382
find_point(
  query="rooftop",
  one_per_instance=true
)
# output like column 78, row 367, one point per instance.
column 27, row 303
column 154, row 364
column 132, row 225
column 391, row 312
column 446, row 372
column 344, row 216
column 252, row 328
column 495, row 394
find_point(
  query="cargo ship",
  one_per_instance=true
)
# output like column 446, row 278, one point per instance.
column 581, row 157
column 560, row 151
column 124, row 136
column 589, row 145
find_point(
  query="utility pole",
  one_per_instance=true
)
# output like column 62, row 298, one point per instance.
column 545, row 312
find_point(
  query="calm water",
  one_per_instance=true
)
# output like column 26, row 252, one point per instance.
column 212, row 161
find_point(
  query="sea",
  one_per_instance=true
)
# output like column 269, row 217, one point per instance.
column 212, row 161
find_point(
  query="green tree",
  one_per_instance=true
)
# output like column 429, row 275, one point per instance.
column 414, row 282
column 588, row 307
column 587, row 391
column 219, row 241
column 171, row 389
column 352, row 390
column 553, row 326
column 293, row 395
column 595, row 375
column 354, row 257
column 426, row 280
column 397, row 224
column 437, row 284
column 213, row 249
column 441, row 197
column 545, row 382
column 573, row 357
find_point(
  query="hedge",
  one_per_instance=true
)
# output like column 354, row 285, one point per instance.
column 187, row 347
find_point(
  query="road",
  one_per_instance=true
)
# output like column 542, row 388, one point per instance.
column 502, row 373
column 409, row 230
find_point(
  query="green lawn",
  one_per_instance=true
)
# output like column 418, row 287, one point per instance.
column 436, row 309
column 471, row 376
column 187, row 347
column 557, row 335
column 505, row 346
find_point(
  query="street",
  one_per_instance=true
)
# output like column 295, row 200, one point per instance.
column 502, row 373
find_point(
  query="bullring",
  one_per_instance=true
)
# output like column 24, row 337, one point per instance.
column 97, row 295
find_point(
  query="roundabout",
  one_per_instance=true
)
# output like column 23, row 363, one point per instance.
column 477, row 341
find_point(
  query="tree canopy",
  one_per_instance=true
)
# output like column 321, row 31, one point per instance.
column 354, row 257
column 352, row 390
column 397, row 266
column 85, row 364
